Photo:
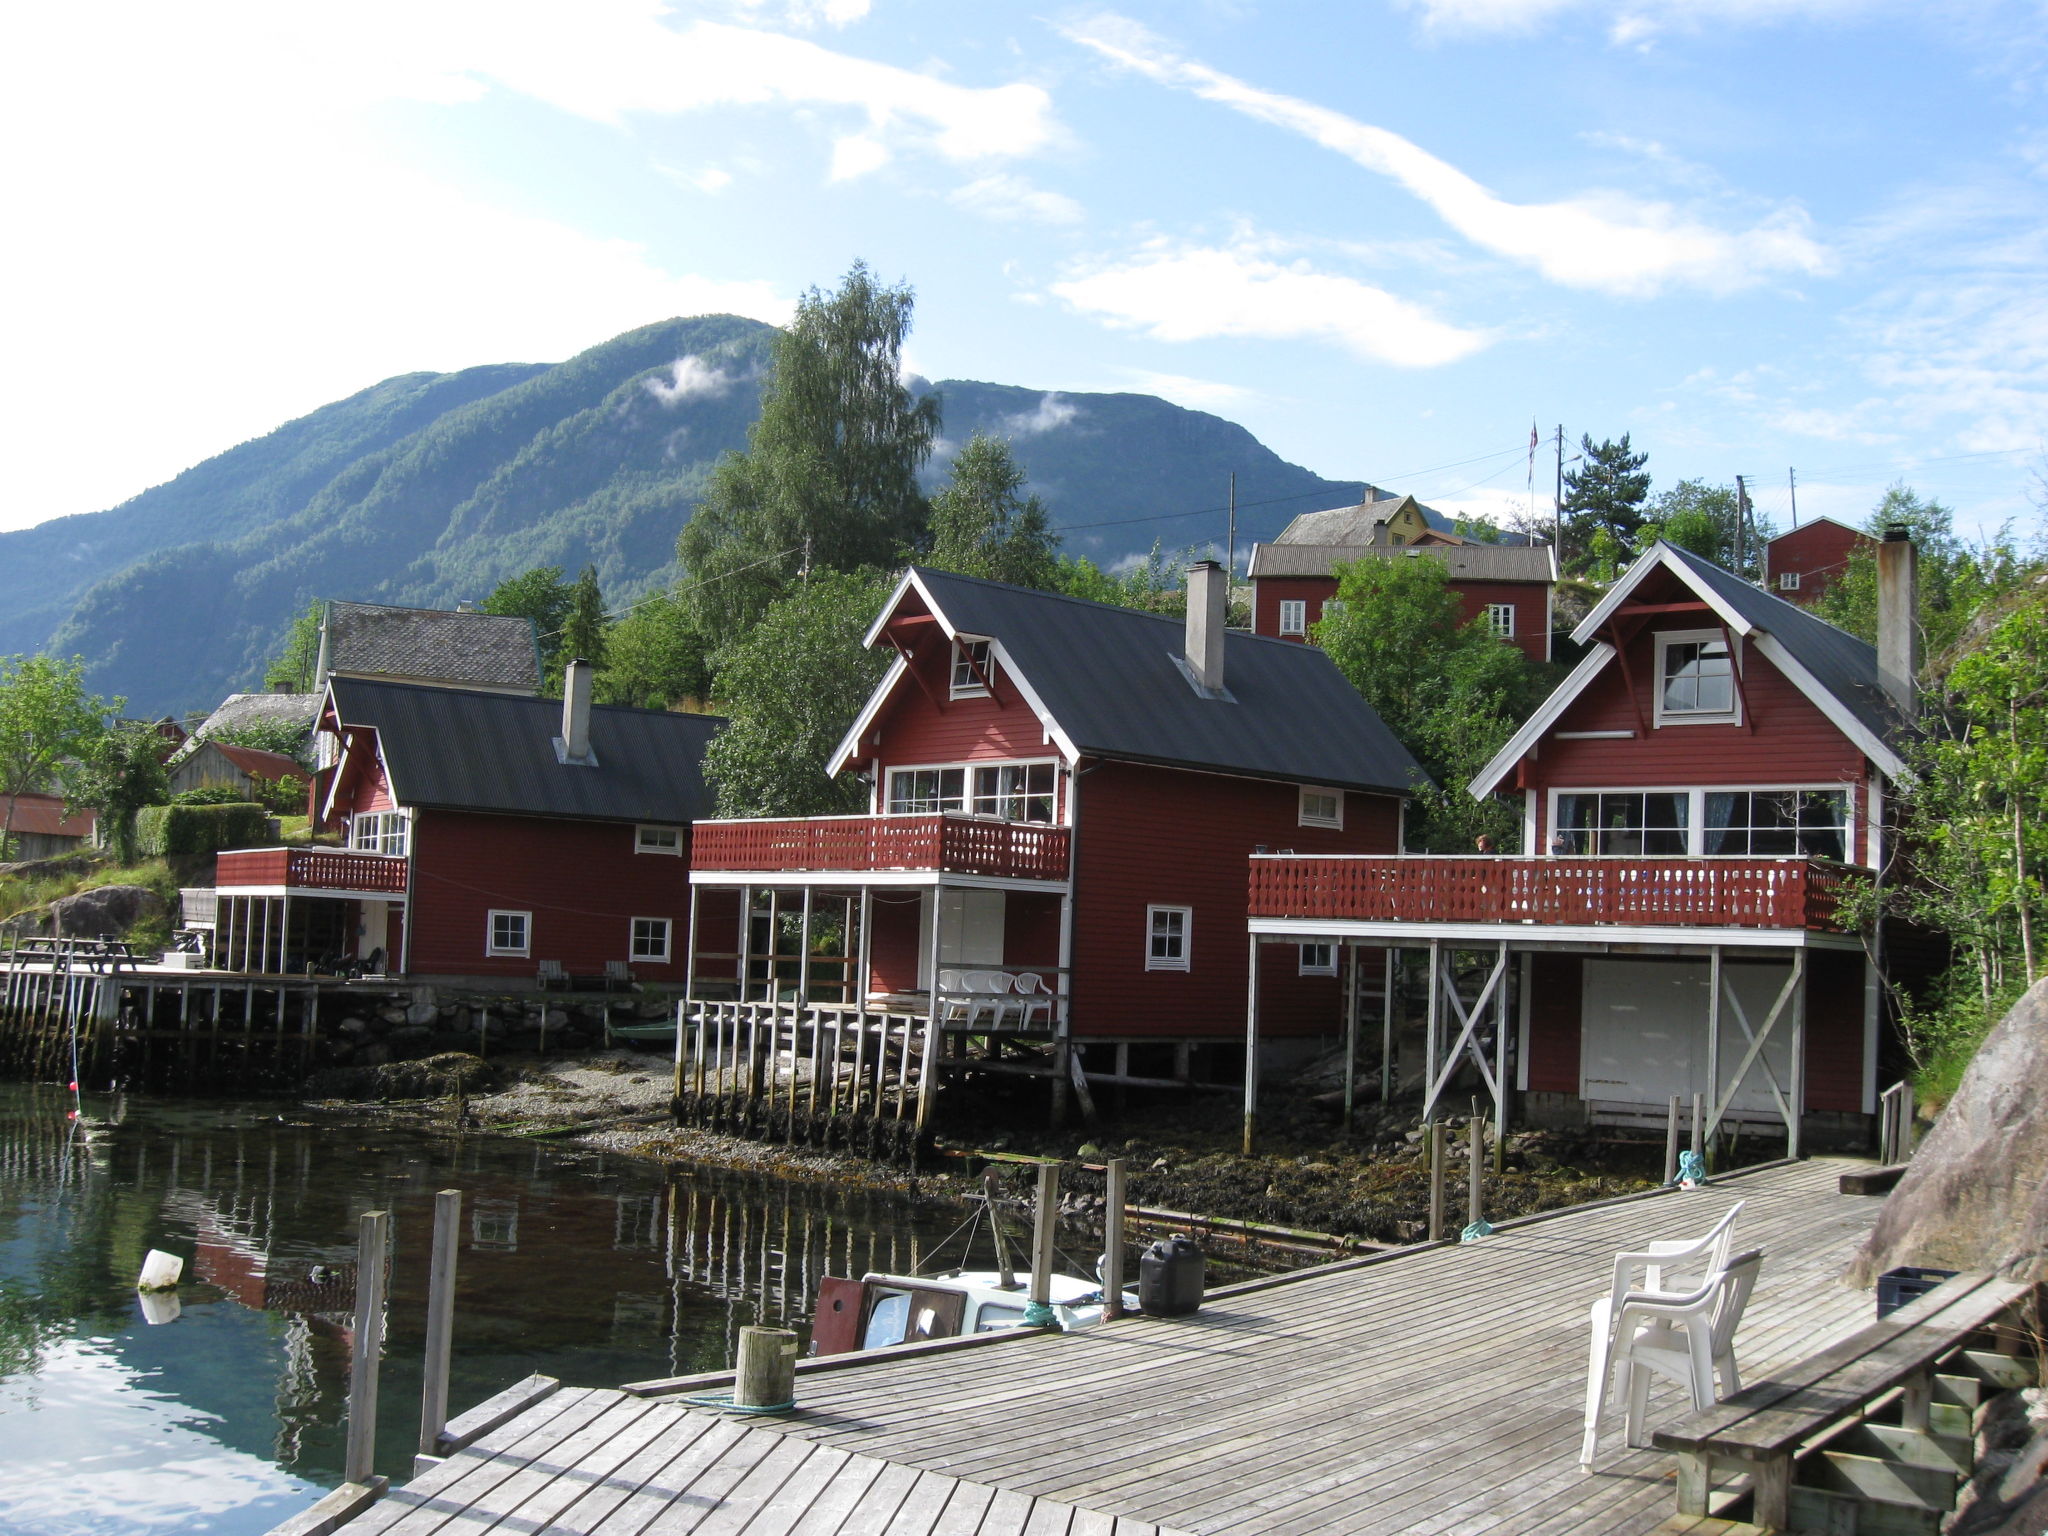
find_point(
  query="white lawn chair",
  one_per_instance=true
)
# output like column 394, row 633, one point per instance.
column 1033, row 996
column 992, row 991
column 958, row 1003
column 1688, row 1338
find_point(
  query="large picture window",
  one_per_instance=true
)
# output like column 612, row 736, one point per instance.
column 1789, row 822
column 1808, row 823
column 921, row 791
column 1008, row 791
column 1695, row 678
column 1014, row 791
column 1627, row 822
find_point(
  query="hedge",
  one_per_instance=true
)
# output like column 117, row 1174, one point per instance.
column 183, row 829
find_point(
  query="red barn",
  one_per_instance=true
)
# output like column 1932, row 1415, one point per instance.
column 1802, row 564
column 1294, row 579
column 1694, row 796
column 484, row 835
column 1063, row 791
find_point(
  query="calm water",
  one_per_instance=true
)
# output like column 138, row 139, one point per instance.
column 594, row 1269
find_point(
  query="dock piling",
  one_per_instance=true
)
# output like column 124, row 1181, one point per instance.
column 371, row 1247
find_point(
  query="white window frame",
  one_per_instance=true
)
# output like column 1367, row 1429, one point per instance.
column 1304, row 817
column 1788, row 581
column 633, row 949
column 1184, row 937
column 494, row 948
column 642, row 845
column 1732, row 715
column 1318, row 960
column 885, row 795
column 982, row 651
column 386, row 832
column 1294, row 616
column 1500, row 618
column 1696, row 813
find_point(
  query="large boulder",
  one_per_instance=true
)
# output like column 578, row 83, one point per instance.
column 1975, row 1196
column 104, row 912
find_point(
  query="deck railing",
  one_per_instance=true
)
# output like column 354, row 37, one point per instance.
column 315, row 869
column 1641, row 893
column 943, row 844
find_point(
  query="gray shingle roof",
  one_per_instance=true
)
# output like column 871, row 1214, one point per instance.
column 1107, row 675
column 1464, row 562
column 431, row 644
column 1353, row 524
column 240, row 709
column 462, row 749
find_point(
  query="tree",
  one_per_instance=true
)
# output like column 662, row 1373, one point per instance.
column 1450, row 691
column 117, row 774
column 585, row 629
column 654, row 657
column 792, row 686
column 1606, row 491
column 829, row 478
column 982, row 523
column 542, row 596
column 293, row 669
column 46, row 720
column 1698, row 517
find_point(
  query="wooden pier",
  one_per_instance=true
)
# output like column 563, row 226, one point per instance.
column 1429, row 1391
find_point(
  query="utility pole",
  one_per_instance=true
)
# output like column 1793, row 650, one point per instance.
column 1792, row 485
column 1741, row 524
column 1230, row 570
column 1557, row 503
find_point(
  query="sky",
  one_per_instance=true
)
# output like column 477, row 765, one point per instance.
column 1774, row 238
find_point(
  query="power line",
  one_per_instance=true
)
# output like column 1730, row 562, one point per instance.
column 679, row 591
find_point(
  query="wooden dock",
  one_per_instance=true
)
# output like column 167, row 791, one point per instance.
column 1427, row 1392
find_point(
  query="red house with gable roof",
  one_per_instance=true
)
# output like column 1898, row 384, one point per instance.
column 1694, row 797
column 1064, row 791
column 1801, row 564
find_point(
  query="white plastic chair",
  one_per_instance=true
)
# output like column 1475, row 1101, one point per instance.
column 1033, row 996
column 1688, row 1338
column 992, row 991
column 958, row 1003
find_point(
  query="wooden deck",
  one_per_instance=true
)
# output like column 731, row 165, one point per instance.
column 1428, row 1392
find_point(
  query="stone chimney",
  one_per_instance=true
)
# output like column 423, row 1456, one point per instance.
column 1208, row 592
column 575, row 742
column 1898, row 620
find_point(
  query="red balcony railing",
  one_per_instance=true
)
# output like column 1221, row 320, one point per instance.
column 312, row 869
column 1635, row 893
column 953, row 845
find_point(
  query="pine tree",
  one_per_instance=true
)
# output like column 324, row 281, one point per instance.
column 583, row 632
column 1607, row 491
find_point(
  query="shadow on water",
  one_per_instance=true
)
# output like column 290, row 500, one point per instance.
column 593, row 1268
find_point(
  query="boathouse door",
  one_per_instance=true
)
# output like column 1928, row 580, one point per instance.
column 1644, row 1034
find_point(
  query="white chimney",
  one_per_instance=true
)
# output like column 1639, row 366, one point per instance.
column 576, row 712
column 1208, row 590
column 1898, row 620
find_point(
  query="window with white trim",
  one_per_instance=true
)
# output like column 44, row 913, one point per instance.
column 651, row 939
column 1788, row 581
column 509, row 933
column 1625, row 822
column 1809, row 823
column 1294, row 617
column 1334, row 608
column 1695, row 678
column 1764, row 821
column 970, row 667
column 1006, row 791
column 668, row 840
column 1318, row 959
column 1500, row 618
column 922, row 791
column 1014, row 791
column 1321, row 808
column 1166, row 937
column 380, row 832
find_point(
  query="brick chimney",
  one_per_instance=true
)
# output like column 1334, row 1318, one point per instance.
column 1208, row 591
column 1898, row 620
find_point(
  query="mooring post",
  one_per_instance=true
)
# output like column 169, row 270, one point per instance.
column 1671, row 1144
column 1039, row 1312
column 1436, row 1181
column 765, row 1374
column 1113, row 1242
column 1475, row 1133
column 369, row 1347
column 440, row 1318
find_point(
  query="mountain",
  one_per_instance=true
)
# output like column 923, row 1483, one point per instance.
column 429, row 488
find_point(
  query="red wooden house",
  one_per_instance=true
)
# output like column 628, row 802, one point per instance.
column 1803, row 563
column 1064, row 791
column 1694, row 796
column 1294, row 578
column 485, row 835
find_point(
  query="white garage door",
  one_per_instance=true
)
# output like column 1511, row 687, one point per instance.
column 1644, row 1032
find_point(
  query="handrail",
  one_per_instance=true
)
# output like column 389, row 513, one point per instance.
column 943, row 843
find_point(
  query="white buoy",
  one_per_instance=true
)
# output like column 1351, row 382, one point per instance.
column 160, row 1271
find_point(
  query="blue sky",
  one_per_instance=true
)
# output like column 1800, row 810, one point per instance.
column 1386, row 236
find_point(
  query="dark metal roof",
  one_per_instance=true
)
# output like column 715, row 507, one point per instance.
column 1108, row 677
column 463, row 749
column 1845, row 666
column 432, row 644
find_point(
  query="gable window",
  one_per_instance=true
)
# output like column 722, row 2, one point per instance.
column 970, row 669
column 380, row 832
column 650, row 939
column 509, row 933
column 1014, row 791
column 1166, row 937
column 668, row 840
column 1695, row 679
column 1318, row 959
column 1294, row 617
column 1322, row 808
column 1627, row 822
column 1808, row 823
column 922, row 791
column 1788, row 581
column 1500, row 618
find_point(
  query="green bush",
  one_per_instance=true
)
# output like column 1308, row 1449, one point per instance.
column 168, row 830
column 210, row 794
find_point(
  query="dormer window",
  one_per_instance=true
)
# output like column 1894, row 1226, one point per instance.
column 970, row 669
column 1695, row 679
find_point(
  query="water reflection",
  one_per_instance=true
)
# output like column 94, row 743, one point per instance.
column 590, row 1268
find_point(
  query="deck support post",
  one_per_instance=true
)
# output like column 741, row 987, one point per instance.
column 746, row 963
column 440, row 1318
column 689, row 987
column 368, row 1347
column 1351, row 998
column 1475, row 1149
column 1795, row 1122
column 1429, row 1039
column 1387, row 1027
column 1251, row 1046
column 1713, row 1043
column 1500, row 1065
column 1436, row 1181
column 1044, row 1219
column 1113, row 1241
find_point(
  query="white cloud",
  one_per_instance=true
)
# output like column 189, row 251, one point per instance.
column 1195, row 394
column 1013, row 199
column 1050, row 414
column 1602, row 240
column 690, row 378
column 856, row 155
column 1193, row 294
column 1629, row 22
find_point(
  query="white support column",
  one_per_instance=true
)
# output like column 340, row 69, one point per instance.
column 867, row 917
column 1351, row 1011
column 1429, row 1038
column 1500, row 1058
column 1393, row 969
column 1714, row 983
column 1795, row 1137
column 746, row 939
column 1251, row 1046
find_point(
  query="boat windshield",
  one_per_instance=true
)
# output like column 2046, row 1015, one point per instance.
column 887, row 1321
column 992, row 1315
